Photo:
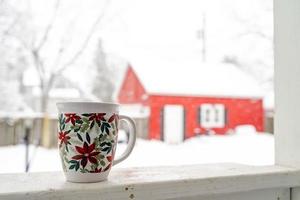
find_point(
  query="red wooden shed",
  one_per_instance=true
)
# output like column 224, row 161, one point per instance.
column 191, row 98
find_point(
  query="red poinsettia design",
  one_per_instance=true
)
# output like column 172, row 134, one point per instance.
column 113, row 117
column 72, row 117
column 109, row 158
column 87, row 153
column 63, row 137
column 97, row 170
column 97, row 117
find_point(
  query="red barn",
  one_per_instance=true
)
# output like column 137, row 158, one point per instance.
column 190, row 98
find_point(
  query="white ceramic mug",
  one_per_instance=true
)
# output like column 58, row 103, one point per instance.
column 87, row 139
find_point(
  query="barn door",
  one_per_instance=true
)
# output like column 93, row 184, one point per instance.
column 173, row 123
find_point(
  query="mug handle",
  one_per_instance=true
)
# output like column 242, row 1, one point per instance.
column 131, row 141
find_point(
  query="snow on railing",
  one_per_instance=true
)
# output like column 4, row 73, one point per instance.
column 183, row 182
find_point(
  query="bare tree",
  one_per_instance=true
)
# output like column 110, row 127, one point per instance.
column 104, row 81
column 11, row 61
column 47, row 77
column 255, row 28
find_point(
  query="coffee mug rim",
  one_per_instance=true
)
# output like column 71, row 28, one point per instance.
column 85, row 106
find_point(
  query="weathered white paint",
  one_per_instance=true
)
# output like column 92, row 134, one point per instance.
column 155, row 183
column 266, row 194
column 295, row 193
column 287, row 84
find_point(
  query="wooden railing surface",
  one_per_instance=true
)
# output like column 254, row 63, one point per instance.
column 212, row 181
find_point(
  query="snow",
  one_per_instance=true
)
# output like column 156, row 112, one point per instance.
column 269, row 101
column 156, row 46
column 233, row 30
column 245, row 147
column 64, row 93
column 241, row 31
column 11, row 100
column 30, row 77
column 162, row 33
column 184, row 76
column 134, row 110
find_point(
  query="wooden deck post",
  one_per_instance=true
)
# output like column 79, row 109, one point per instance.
column 287, row 84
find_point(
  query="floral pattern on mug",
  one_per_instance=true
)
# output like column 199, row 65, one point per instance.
column 87, row 141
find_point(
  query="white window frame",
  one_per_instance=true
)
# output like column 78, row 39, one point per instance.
column 208, row 116
column 281, row 181
column 287, row 84
column 287, row 81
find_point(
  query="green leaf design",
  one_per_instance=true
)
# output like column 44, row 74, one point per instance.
column 76, row 128
column 105, row 127
column 92, row 125
column 61, row 119
column 105, row 149
column 84, row 127
column 104, row 143
column 66, row 159
column 79, row 137
column 88, row 139
column 87, row 114
column 77, row 166
column 93, row 167
column 78, row 121
column 73, row 161
column 99, row 123
column 108, row 148
column 84, row 170
column 102, row 137
column 102, row 163
column 72, row 166
column 85, row 120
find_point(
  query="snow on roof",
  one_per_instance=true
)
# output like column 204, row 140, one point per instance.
column 193, row 77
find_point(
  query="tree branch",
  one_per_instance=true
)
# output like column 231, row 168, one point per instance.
column 38, row 65
column 86, row 41
column 260, row 34
column 11, row 26
column 49, row 27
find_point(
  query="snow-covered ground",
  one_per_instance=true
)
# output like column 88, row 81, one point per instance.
column 245, row 146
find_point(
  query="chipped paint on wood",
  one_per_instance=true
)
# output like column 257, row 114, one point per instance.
column 152, row 183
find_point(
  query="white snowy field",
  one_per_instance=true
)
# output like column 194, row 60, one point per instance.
column 245, row 147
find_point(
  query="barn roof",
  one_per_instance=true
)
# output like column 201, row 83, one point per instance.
column 192, row 77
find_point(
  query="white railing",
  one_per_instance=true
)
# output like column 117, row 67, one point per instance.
column 217, row 181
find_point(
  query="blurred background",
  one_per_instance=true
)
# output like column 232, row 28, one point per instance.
column 196, row 75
